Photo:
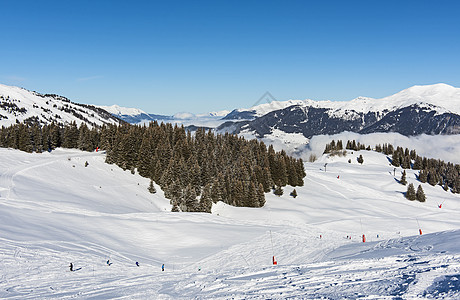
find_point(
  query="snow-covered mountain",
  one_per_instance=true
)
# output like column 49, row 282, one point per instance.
column 133, row 115
column 20, row 105
column 56, row 209
column 138, row 116
column 431, row 109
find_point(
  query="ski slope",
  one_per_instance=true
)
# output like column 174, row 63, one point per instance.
column 54, row 210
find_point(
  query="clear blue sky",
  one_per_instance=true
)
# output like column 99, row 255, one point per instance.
column 198, row 56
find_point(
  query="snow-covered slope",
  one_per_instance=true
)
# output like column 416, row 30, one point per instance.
column 54, row 210
column 19, row 105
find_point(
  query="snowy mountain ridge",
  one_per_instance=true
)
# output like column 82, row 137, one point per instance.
column 20, row 105
column 432, row 109
column 442, row 96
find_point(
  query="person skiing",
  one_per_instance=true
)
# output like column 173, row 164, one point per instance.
column 162, row 267
column 137, row 263
column 108, row 262
column 71, row 267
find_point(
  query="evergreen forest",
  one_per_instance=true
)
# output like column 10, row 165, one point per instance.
column 194, row 171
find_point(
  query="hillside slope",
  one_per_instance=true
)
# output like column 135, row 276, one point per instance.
column 20, row 105
column 54, row 210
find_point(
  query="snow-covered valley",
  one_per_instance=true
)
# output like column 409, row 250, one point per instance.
column 54, row 211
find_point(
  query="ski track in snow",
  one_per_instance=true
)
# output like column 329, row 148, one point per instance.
column 226, row 255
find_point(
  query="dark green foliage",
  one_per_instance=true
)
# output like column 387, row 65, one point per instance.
column 410, row 194
column 418, row 163
column 278, row 191
column 395, row 159
column 432, row 177
column 420, row 194
column 151, row 188
column 423, row 176
column 403, row 180
column 405, row 162
column 445, row 186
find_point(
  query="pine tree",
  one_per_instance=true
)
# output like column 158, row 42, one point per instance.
column 410, row 194
column 422, row 176
column 152, row 189
column 432, row 178
column 395, row 159
column 417, row 163
column 445, row 187
column 278, row 190
column 206, row 200
column 261, row 195
column 403, row 180
column 420, row 195
column 293, row 193
column 406, row 162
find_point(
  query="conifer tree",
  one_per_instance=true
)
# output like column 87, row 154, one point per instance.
column 395, row 159
column 410, row 194
column 417, row 163
column 422, row 176
column 420, row 194
column 403, row 180
column 278, row 190
column 405, row 162
column 152, row 189
column 445, row 187
column 261, row 195
column 206, row 200
column 432, row 178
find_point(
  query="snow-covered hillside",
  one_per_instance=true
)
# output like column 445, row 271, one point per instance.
column 20, row 105
column 54, row 210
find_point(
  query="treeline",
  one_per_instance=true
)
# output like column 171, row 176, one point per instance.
column 433, row 171
column 193, row 170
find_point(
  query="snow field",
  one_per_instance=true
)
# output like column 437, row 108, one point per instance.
column 54, row 210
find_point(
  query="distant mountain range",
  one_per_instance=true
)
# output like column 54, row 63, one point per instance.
column 430, row 109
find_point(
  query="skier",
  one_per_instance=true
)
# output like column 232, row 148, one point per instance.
column 338, row 176
column 137, row 263
column 108, row 262
column 71, row 267
column 162, row 267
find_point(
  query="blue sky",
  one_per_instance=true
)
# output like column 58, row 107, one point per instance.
column 200, row 56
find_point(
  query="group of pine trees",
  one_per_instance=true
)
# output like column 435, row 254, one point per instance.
column 418, row 195
column 433, row 171
column 194, row 171
column 39, row 138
